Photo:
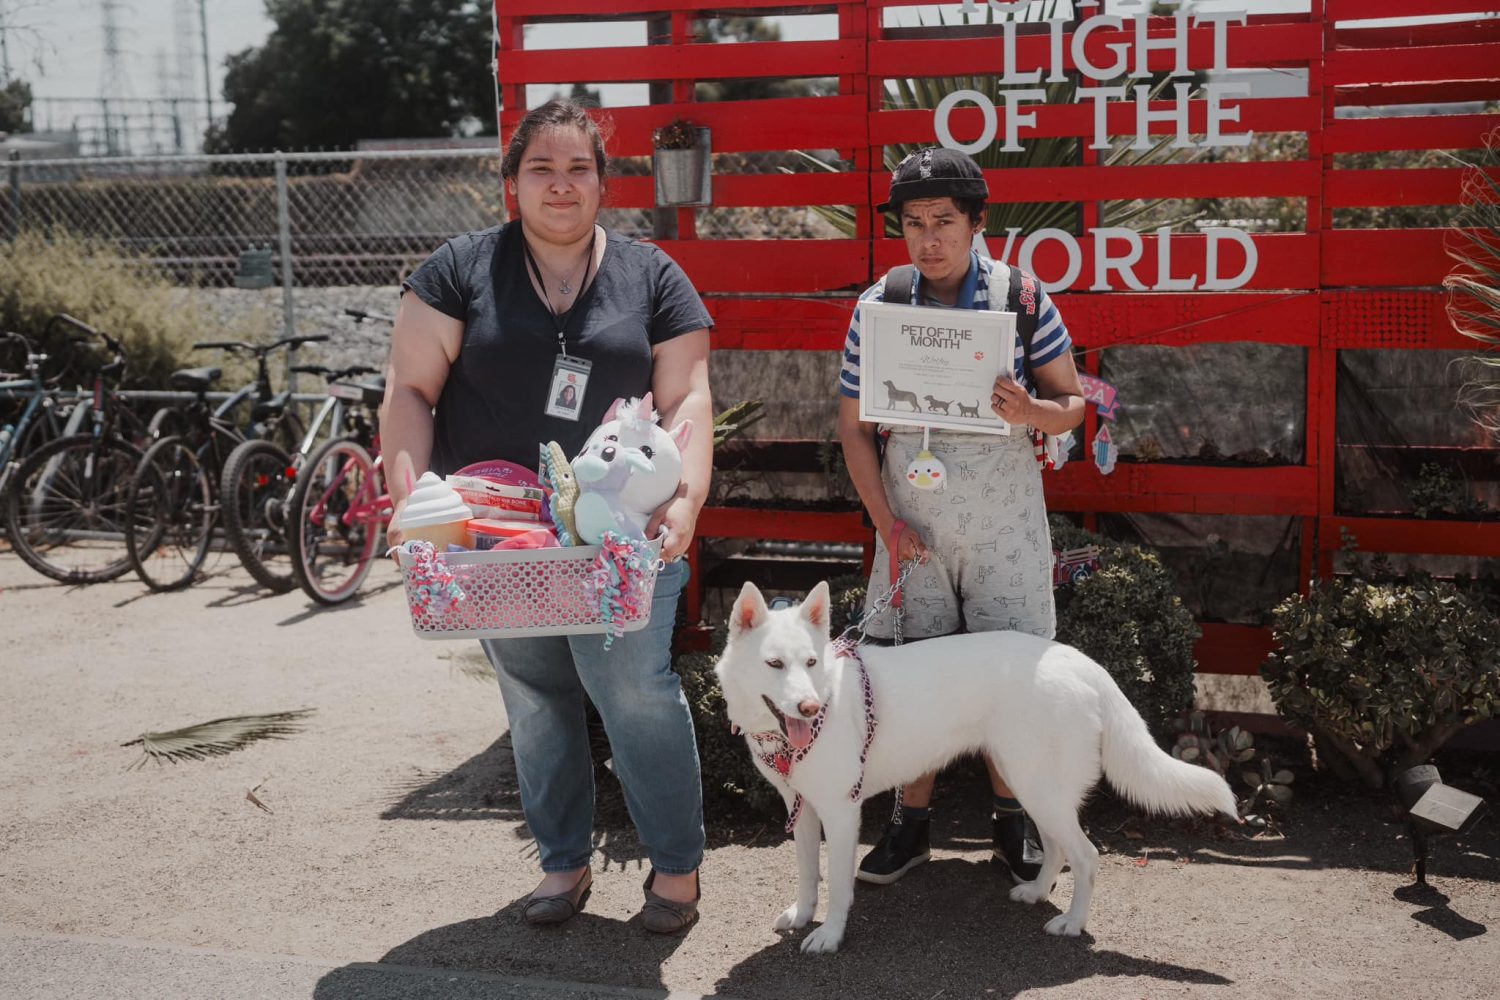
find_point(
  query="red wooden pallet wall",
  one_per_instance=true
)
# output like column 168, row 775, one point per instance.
column 1323, row 289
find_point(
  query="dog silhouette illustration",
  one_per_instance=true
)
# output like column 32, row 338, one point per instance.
column 933, row 405
column 895, row 395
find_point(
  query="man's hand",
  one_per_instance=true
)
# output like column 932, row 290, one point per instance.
column 679, row 516
column 909, row 546
column 1011, row 402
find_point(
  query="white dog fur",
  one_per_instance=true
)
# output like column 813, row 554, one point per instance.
column 1051, row 718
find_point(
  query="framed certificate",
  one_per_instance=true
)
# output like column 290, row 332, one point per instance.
column 933, row 367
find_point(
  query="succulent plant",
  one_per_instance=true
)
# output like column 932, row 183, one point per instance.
column 1198, row 744
column 1272, row 786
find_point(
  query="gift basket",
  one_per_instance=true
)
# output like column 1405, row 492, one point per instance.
column 561, row 552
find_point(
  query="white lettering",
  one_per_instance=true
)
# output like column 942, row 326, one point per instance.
column 1217, row 114
column 1124, row 266
column 1211, row 279
column 1010, row 72
column 1144, row 116
column 1120, row 49
column 1028, row 251
column 1220, row 20
column 1164, row 280
column 1177, row 43
column 1015, row 119
column 1100, row 96
column 945, row 108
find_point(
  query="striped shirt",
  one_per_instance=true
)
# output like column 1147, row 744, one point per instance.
column 1050, row 342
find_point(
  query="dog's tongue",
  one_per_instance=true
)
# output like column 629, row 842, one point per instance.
column 798, row 732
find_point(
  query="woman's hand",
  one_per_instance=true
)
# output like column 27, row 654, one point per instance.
column 679, row 516
column 1012, row 403
column 392, row 530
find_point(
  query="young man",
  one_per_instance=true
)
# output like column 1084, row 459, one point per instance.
column 982, row 543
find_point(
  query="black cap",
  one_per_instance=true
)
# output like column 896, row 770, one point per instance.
column 935, row 172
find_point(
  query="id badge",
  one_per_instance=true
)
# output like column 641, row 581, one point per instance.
column 570, row 378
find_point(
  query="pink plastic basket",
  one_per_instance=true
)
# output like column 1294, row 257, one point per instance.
column 526, row 592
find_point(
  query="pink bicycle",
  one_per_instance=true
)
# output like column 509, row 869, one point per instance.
column 339, row 509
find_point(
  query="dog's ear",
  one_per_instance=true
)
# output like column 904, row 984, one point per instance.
column 815, row 605
column 749, row 610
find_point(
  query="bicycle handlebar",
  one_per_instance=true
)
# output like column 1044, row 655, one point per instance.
column 360, row 315
column 261, row 350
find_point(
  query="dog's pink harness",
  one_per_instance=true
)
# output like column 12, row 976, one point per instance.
column 774, row 751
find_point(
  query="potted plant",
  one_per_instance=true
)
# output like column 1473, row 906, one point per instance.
column 681, row 163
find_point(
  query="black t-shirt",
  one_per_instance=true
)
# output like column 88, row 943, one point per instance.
column 493, row 403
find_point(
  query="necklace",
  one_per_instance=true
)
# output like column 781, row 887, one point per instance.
column 565, row 286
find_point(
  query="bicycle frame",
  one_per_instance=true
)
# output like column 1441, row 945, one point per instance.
column 366, row 509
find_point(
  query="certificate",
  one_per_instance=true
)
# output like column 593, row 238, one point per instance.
column 933, row 367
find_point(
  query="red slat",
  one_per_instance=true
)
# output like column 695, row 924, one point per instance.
column 1251, row 45
column 740, row 126
column 1423, row 64
column 1348, row 10
column 754, row 190
column 771, row 266
column 1447, row 92
column 1441, row 33
column 1121, row 319
column 708, row 61
column 633, row 9
column 1414, row 535
column 1373, row 135
column 1184, row 489
column 1402, row 257
column 781, row 525
column 1287, row 114
column 780, row 324
column 1289, row 179
column 1391, row 319
column 1232, row 649
column 1424, row 186
column 1286, row 260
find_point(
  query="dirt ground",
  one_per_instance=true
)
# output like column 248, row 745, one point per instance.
column 392, row 833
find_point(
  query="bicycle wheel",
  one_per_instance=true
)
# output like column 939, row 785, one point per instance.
column 169, row 515
column 65, row 508
column 255, row 491
column 332, row 521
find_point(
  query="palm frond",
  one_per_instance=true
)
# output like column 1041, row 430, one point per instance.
column 217, row 736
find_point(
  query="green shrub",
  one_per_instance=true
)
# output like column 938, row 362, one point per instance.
column 1127, row 616
column 1383, row 674
column 125, row 296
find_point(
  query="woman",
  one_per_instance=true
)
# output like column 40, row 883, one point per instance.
column 984, row 551
column 488, row 325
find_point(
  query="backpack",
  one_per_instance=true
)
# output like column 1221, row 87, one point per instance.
column 901, row 286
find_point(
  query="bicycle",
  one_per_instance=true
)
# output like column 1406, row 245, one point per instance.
column 37, row 420
column 339, row 507
column 65, row 502
column 258, row 480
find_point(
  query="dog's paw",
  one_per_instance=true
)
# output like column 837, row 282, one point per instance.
column 1030, row 892
column 1064, row 925
column 793, row 916
column 825, row 940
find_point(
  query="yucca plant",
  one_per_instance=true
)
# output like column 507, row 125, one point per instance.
column 216, row 737
column 1474, row 283
column 925, row 93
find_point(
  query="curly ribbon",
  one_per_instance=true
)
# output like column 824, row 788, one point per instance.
column 617, row 579
column 431, row 585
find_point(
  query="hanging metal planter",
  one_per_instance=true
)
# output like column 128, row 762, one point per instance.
column 682, row 164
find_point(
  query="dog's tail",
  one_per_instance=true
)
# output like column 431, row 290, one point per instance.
column 1149, row 776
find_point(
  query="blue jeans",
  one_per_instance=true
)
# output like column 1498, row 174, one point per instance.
column 544, row 680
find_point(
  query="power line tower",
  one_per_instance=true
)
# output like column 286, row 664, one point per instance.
column 185, row 42
column 114, row 80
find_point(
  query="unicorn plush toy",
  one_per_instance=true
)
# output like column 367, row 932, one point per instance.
column 628, row 468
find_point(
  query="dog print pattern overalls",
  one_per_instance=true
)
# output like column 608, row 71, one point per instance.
column 989, row 561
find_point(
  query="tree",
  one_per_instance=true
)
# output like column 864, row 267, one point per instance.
column 15, row 102
column 747, row 29
column 336, row 71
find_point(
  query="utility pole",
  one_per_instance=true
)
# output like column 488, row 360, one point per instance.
column 4, row 44
column 208, row 80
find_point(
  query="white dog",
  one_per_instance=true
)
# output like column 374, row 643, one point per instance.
column 1051, row 718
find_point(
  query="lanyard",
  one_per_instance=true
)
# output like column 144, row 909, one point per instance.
column 558, row 321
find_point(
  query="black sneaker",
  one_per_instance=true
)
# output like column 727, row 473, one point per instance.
column 1017, row 846
column 902, row 847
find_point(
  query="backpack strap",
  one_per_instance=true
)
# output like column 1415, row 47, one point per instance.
column 901, row 285
column 1021, row 299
